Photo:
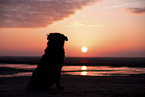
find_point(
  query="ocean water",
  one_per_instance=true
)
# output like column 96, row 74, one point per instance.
column 14, row 70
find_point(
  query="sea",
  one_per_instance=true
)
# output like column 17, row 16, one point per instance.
column 80, row 66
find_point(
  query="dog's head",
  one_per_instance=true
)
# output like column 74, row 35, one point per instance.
column 56, row 39
column 56, row 36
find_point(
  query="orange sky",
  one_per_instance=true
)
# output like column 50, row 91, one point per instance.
column 108, row 28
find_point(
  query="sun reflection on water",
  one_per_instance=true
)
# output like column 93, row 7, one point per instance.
column 74, row 70
column 84, row 72
column 84, row 67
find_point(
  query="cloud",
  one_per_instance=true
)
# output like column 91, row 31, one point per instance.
column 136, row 10
column 132, row 6
column 126, row 4
column 37, row 13
column 78, row 24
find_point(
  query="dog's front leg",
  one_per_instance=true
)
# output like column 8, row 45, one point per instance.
column 59, row 85
column 58, row 79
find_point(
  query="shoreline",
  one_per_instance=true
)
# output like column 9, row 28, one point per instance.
column 130, row 62
column 19, row 70
column 78, row 86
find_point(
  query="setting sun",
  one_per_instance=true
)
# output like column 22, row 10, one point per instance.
column 84, row 49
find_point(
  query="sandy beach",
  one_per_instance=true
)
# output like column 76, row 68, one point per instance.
column 78, row 86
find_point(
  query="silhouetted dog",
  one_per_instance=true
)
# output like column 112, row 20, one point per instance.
column 48, row 70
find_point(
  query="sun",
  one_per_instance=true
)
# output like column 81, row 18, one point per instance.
column 84, row 49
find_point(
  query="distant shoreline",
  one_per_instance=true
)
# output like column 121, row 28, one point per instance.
column 91, row 61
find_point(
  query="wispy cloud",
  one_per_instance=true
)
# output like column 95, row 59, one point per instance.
column 127, row 3
column 78, row 24
column 37, row 13
column 117, row 6
column 136, row 10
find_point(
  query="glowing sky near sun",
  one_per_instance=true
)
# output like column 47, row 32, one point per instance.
column 108, row 28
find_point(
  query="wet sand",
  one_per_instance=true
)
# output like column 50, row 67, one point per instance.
column 78, row 86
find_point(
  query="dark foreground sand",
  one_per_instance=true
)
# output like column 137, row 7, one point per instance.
column 78, row 86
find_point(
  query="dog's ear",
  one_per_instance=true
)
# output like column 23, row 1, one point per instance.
column 49, row 37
